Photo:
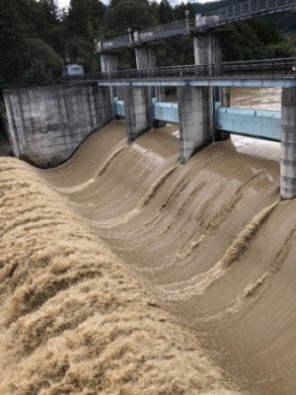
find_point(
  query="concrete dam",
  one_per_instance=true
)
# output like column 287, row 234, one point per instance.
column 182, row 294
column 147, row 245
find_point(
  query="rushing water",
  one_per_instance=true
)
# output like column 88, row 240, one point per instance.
column 210, row 241
column 264, row 99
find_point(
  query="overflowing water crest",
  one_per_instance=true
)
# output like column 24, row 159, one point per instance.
column 124, row 272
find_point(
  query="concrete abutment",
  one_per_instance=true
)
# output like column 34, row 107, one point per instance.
column 48, row 124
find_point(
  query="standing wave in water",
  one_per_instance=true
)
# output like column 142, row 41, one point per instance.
column 73, row 320
column 212, row 242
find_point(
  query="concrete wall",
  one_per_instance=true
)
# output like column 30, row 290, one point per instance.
column 47, row 124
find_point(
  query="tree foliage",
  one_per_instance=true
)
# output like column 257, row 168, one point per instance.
column 257, row 39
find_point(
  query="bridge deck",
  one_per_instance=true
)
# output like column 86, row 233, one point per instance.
column 213, row 82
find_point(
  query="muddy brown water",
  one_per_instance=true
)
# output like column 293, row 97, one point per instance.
column 209, row 239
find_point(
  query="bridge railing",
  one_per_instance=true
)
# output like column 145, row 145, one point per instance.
column 285, row 67
column 270, row 67
column 167, row 30
column 245, row 10
column 114, row 43
column 249, row 8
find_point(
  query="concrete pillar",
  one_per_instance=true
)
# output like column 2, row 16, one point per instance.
column 224, row 93
column 194, row 120
column 288, row 144
column 225, row 97
column 207, row 49
column 138, row 110
column 145, row 57
column 108, row 62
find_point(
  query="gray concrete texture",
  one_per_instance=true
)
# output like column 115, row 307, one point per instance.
column 288, row 144
column 138, row 111
column 47, row 124
column 194, row 120
column 207, row 49
column 108, row 62
column 145, row 57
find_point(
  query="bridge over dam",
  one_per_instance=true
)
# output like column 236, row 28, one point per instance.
column 209, row 239
column 205, row 31
column 201, row 24
column 48, row 124
column 203, row 99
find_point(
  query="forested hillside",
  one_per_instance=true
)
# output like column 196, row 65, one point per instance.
column 37, row 38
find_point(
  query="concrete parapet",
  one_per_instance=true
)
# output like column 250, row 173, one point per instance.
column 288, row 144
column 47, row 124
column 194, row 118
column 138, row 111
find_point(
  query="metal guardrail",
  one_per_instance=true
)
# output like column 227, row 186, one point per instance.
column 246, row 10
column 164, row 31
column 252, row 8
column 115, row 43
column 285, row 67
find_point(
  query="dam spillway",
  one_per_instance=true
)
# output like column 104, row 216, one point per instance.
column 192, row 234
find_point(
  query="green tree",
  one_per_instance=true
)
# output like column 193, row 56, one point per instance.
column 179, row 11
column 255, row 39
column 52, row 10
column 134, row 14
column 38, row 74
column 82, row 25
column 166, row 12
column 12, row 47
